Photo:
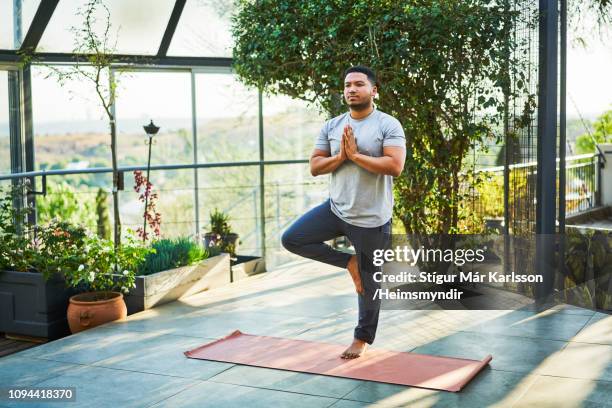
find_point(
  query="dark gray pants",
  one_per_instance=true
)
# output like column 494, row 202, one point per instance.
column 306, row 237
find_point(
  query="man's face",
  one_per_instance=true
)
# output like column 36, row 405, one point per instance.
column 358, row 91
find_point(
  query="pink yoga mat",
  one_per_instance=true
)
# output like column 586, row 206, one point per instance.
column 419, row 370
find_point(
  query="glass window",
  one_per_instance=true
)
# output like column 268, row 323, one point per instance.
column 70, row 126
column 9, row 15
column 290, row 191
column 175, row 202
column 235, row 191
column 164, row 97
column 135, row 29
column 5, row 153
column 227, row 119
column 290, row 128
column 203, row 30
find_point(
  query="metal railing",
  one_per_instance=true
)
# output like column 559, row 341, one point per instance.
column 582, row 186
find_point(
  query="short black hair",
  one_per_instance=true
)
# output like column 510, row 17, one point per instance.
column 364, row 70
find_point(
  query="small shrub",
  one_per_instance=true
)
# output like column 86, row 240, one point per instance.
column 172, row 253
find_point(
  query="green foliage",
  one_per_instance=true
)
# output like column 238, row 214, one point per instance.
column 221, row 238
column 588, row 267
column 102, row 214
column 602, row 133
column 98, row 266
column 64, row 202
column 15, row 252
column 444, row 67
column 219, row 222
column 172, row 253
column 86, row 261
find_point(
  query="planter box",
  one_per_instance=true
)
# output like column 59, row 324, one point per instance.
column 246, row 266
column 31, row 306
column 173, row 284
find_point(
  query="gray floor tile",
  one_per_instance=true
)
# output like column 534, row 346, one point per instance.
column 219, row 395
column 284, row 380
column 566, row 393
column 510, row 353
column 215, row 326
column 99, row 387
column 580, row 360
column 550, row 325
column 94, row 345
column 490, row 388
column 165, row 356
column 598, row 330
column 17, row 370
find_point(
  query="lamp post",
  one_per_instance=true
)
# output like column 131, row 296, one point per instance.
column 151, row 131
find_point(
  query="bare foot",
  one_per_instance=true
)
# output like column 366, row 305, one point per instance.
column 353, row 268
column 356, row 349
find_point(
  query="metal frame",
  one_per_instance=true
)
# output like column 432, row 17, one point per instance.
column 171, row 27
column 546, row 209
column 13, row 57
column 39, row 24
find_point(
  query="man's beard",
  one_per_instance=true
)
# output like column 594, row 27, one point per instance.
column 361, row 106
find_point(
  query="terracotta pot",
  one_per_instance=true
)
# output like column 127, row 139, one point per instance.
column 85, row 310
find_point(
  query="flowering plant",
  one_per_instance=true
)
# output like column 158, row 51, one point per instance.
column 15, row 253
column 101, row 268
column 86, row 261
column 146, row 195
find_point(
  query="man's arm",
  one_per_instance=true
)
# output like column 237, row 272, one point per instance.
column 322, row 163
column 391, row 162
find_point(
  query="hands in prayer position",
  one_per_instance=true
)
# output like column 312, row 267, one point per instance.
column 348, row 146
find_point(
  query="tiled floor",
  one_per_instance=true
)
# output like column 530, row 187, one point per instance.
column 558, row 358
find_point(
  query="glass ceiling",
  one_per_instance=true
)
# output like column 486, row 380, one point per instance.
column 136, row 29
column 202, row 31
column 7, row 21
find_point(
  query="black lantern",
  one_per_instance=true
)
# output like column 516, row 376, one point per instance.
column 151, row 131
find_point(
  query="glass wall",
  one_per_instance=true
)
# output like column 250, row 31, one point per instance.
column 227, row 119
column 290, row 191
column 70, row 126
column 175, row 202
column 165, row 98
column 235, row 191
column 291, row 127
column 5, row 154
column 71, row 132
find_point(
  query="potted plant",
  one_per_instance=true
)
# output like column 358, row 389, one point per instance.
column 33, row 297
column 103, row 272
column 220, row 237
column 176, row 268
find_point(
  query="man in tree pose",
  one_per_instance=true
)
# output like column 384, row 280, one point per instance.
column 363, row 149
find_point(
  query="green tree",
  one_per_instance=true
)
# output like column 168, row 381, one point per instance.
column 602, row 133
column 444, row 67
column 102, row 218
column 65, row 203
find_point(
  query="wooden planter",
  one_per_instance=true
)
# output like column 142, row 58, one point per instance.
column 173, row 284
column 31, row 306
column 245, row 266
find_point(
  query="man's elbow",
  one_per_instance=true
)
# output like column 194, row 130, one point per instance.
column 313, row 171
column 397, row 171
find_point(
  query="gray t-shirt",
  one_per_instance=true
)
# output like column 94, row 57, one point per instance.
column 358, row 196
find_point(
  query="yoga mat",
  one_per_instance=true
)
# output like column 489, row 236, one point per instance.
column 393, row 367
